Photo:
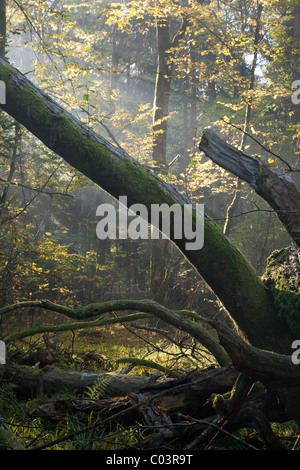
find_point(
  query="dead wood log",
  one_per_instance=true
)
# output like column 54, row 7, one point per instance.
column 191, row 394
column 194, row 396
column 259, row 410
column 160, row 406
column 40, row 358
column 163, row 412
column 30, row 381
column 277, row 189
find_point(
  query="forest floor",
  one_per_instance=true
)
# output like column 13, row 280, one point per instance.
column 106, row 346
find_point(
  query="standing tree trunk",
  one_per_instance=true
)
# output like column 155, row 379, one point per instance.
column 12, row 169
column 162, row 94
column 158, row 269
column 160, row 248
column 296, row 53
column 2, row 27
column 234, row 204
column 193, row 101
column 166, row 50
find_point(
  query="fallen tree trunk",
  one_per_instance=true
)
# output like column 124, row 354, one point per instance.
column 192, row 390
column 190, row 395
column 169, row 405
column 278, row 190
column 34, row 381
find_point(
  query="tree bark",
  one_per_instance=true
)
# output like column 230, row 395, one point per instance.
column 165, row 51
column 162, row 94
column 33, row 381
column 278, row 190
column 2, row 27
column 234, row 204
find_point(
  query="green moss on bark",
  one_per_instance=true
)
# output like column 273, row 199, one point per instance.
column 8, row 441
column 282, row 277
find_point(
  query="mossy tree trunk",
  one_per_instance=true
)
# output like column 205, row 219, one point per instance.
column 221, row 264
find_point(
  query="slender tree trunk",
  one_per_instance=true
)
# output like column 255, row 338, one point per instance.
column 189, row 112
column 186, row 140
column 296, row 26
column 11, row 170
column 2, row 27
column 165, row 51
column 296, row 51
column 160, row 248
column 193, row 100
column 162, row 94
column 159, row 263
column 115, row 56
column 236, row 198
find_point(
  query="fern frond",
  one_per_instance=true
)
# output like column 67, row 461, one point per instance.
column 98, row 390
